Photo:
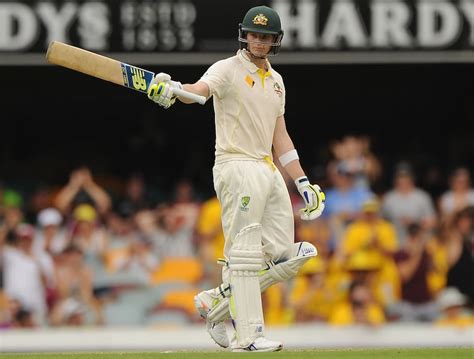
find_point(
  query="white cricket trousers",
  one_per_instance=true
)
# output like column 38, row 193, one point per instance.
column 254, row 191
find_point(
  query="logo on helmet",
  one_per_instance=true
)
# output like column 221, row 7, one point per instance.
column 260, row 19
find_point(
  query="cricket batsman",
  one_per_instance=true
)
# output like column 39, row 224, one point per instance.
column 257, row 216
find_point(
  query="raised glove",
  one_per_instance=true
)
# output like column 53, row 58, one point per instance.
column 313, row 197
column 161, row 90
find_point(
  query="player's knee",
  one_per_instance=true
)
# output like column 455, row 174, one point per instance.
column 246, row 250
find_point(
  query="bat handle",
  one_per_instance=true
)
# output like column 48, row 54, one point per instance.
column 190, row 96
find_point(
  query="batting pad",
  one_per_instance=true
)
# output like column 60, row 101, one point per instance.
column 245, row 261
column 273, row 274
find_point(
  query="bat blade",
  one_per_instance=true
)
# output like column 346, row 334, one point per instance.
column 107, row 69
column 99, row 66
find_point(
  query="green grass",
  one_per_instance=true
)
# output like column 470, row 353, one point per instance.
column 464, row 353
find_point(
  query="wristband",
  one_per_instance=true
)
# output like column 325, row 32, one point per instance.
column 288, row 157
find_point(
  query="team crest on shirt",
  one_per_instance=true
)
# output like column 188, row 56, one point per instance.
column 278, row 89
column 244, row 203
column 260, row 19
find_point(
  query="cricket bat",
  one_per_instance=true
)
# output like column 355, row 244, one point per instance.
column 107, row 69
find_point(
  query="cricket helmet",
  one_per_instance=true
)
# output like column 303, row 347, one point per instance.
column 261, row 20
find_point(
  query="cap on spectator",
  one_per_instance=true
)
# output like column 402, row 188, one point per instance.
column 49, row 217
column 313, row 266
column 371, row 205
column 85, row 212
column 25, row 230
column 451, row 297
column 364, row 260
column 12, row 199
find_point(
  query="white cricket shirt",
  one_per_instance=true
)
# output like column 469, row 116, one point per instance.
column 247, row 102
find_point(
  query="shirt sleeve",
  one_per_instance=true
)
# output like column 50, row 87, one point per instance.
column 283, row 100
column 217, row 78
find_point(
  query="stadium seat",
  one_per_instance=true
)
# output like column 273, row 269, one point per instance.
column 180, row 269
column 180, row 299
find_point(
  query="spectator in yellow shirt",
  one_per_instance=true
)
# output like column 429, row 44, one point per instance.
column 373, row 234
column 361, row 308
column 211, row 237
column 370, row 231
column 310, row 299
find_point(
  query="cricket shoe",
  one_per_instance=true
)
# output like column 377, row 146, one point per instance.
column 260, row 344
column 203, row 303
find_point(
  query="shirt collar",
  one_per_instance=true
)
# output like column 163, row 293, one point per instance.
column 249, row 65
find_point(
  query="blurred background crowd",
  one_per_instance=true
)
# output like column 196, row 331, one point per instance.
column 96, row 252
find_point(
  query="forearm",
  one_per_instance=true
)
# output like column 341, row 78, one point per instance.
column 286, row 152
column 294, row 170
column 199, row 88
column 100, row 197
column 65, row 197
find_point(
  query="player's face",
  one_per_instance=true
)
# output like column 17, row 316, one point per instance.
column 259, row 44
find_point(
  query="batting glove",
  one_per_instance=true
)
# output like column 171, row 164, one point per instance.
column 161, row 90
column 313, row 197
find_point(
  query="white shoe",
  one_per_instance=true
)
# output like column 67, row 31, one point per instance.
column 203, row 303
column 261, row 344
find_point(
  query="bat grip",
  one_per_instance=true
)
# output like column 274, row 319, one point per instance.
column 190, row 96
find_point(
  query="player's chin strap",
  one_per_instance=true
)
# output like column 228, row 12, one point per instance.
column 274, row 273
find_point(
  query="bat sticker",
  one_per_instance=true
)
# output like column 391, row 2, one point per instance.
column 136, row 78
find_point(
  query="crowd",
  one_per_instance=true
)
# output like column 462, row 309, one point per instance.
column 93, row 253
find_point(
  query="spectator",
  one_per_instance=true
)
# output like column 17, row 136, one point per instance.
column 310, row 300
column 23, row 276
column 185, row 205
column 174, row 238
column 460, row 251
column 376, row 236
column 141, row 262
column 51, row 236
column 5, row 317
column 414, row 263
column 136, row 197
column 49, row 241
column 370, row 232
column 82, row 188
column 343, row 201
column 89, row 235
column 210, row 237
column 460, row 194
column 120, row 233
column 406, row 204
column 354, row 155
column 360, row 308
column 13, row 216
column 454, row 312
column 74, row 280
column 146, row 222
